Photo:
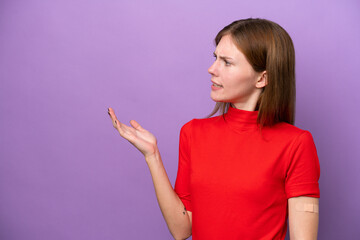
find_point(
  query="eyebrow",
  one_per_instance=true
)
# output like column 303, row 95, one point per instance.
column 223, row 57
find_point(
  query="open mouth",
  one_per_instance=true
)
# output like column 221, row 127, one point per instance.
column 216, row 85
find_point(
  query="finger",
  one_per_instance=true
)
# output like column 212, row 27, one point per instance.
column 136, row 125
column 125, row 132
column 123, row 129
column 113, row 117
column 111, row 113
column 120, row 127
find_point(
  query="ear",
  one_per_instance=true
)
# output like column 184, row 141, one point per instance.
column 262, row 80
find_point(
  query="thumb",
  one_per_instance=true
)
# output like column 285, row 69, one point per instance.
column 136, row 125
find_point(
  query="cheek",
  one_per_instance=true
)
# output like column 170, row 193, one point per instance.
column 235, row 80
column 239, row 84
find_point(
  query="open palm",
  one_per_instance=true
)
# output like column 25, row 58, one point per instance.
column 142, row 139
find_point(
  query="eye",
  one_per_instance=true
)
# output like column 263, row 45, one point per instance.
column 227, row 63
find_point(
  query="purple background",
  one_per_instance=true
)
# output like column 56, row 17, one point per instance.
column 65, row 173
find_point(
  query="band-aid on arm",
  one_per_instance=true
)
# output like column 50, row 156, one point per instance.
column 307, row 207
column 303, row 217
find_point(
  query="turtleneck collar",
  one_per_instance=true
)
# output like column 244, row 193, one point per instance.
column 241, row 119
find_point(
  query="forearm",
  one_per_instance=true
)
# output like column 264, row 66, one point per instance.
column 172, row 208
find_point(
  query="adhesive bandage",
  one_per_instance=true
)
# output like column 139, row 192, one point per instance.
column 307, row 207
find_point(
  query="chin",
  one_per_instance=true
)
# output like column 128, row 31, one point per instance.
column 217, row 99
column 214, row 98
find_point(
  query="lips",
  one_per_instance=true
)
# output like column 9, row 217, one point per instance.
column 216, row 84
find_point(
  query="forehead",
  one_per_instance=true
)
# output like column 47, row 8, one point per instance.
column 228, row 48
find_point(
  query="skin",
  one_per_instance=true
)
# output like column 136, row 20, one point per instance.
column 303, row 225
column 177, row 218
column 241, row 86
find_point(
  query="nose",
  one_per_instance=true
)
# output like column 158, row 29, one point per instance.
column 212, row 69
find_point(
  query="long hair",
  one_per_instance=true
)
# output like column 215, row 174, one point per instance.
column 266, row 46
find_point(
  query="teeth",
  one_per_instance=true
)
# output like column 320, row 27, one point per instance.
column 216, row 85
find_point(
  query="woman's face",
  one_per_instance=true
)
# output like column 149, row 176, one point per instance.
column 233, row 78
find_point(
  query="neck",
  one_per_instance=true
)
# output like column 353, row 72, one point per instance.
column 241, row 119
column 246, row 106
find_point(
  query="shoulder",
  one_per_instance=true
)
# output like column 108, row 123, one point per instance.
column 199, row 123
column 287, row 128
column 289, row 133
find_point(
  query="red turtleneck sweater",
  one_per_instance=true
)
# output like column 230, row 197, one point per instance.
column 236, row 181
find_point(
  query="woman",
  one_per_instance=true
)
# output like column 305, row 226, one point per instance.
column 243, row 173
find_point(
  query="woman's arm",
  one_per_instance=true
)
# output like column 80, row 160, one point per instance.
column 303, row 218
column 177, row 218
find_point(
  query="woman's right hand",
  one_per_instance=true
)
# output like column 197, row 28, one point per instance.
column 142, row 139
column 172, row 208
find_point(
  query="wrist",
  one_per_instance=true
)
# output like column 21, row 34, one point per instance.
column 153, row 157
